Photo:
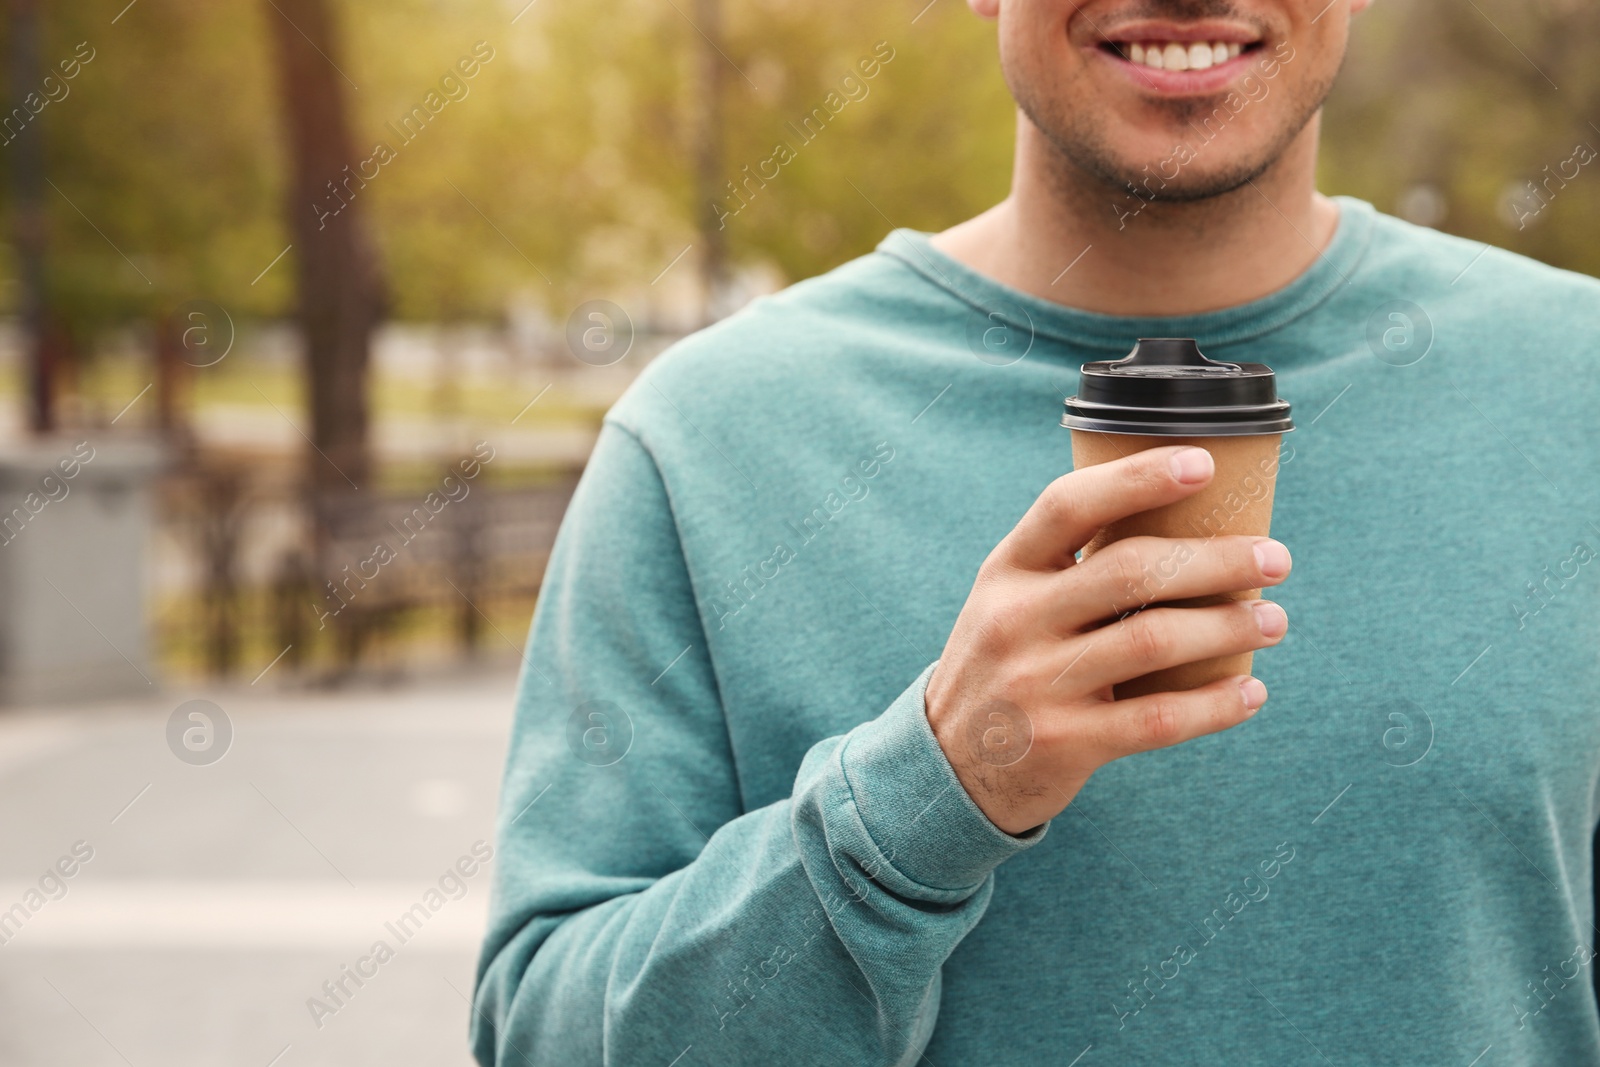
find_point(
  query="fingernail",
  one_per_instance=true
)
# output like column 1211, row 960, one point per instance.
column 1255, row 694
column 1272, row 558
column 1191, row 465
column 1271, row 618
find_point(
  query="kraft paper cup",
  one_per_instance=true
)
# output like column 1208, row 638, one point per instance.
column 1167, row 393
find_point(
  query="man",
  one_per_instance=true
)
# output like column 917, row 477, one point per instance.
column 752, row 812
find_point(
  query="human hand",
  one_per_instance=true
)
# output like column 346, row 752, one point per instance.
column 1022, row 698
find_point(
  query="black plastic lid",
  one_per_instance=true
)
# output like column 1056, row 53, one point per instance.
column 1165, row 386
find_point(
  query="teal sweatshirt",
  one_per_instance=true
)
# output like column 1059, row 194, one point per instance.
column 728, row 835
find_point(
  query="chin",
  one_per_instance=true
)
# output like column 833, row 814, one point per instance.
column 1175, row 154
column 1193, row 188
column 1185, row 167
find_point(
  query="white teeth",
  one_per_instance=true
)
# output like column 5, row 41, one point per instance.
column 1175, row 55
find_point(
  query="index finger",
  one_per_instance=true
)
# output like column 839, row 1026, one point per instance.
column 1074, row 506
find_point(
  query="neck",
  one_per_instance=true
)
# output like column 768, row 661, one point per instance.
column 1146, row 257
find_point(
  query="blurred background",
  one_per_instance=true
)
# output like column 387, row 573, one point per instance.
column 309, row 311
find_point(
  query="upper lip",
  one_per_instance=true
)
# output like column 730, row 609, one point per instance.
column 1159, row 30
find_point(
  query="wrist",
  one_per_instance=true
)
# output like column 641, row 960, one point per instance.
column 983, row 749
column 925, row 825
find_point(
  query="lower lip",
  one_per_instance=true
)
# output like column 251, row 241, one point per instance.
column 1180, row 82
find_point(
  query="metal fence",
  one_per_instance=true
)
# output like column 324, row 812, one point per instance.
column 331, row 583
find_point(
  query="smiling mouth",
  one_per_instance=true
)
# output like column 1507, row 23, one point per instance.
column 1179, row 55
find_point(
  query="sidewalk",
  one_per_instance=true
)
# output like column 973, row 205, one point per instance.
column 217, row 898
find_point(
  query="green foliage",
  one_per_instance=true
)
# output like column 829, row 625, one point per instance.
column 163, row 149
column 566, row 170
column 1475, row 100
column 927, row 143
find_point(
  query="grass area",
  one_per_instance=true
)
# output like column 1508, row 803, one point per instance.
column 418, row 477
column 107, row 385
column 422, row 636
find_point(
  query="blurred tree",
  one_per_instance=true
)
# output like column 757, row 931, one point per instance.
column 152, row 199
column 28, row 211
column 924, row 141
column 1470, row 117
column 711, row 74
column 575, row 164
column 340, row 292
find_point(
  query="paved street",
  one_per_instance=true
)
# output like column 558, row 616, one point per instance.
column 208, row 902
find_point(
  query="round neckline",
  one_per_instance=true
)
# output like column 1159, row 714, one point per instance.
column 1330, row 271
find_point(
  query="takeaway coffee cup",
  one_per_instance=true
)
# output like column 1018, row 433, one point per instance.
column 1165, row 392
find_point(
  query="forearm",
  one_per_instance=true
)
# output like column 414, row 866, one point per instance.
column 811, row 930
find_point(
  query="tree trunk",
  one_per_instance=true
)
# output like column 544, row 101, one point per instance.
column 340, row 288
column 708, row 156
column 28, row 213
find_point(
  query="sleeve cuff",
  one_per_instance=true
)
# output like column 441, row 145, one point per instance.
column 914, row 808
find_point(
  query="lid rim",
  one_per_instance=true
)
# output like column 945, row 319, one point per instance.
column 1179, row 429
column 1222, row 410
